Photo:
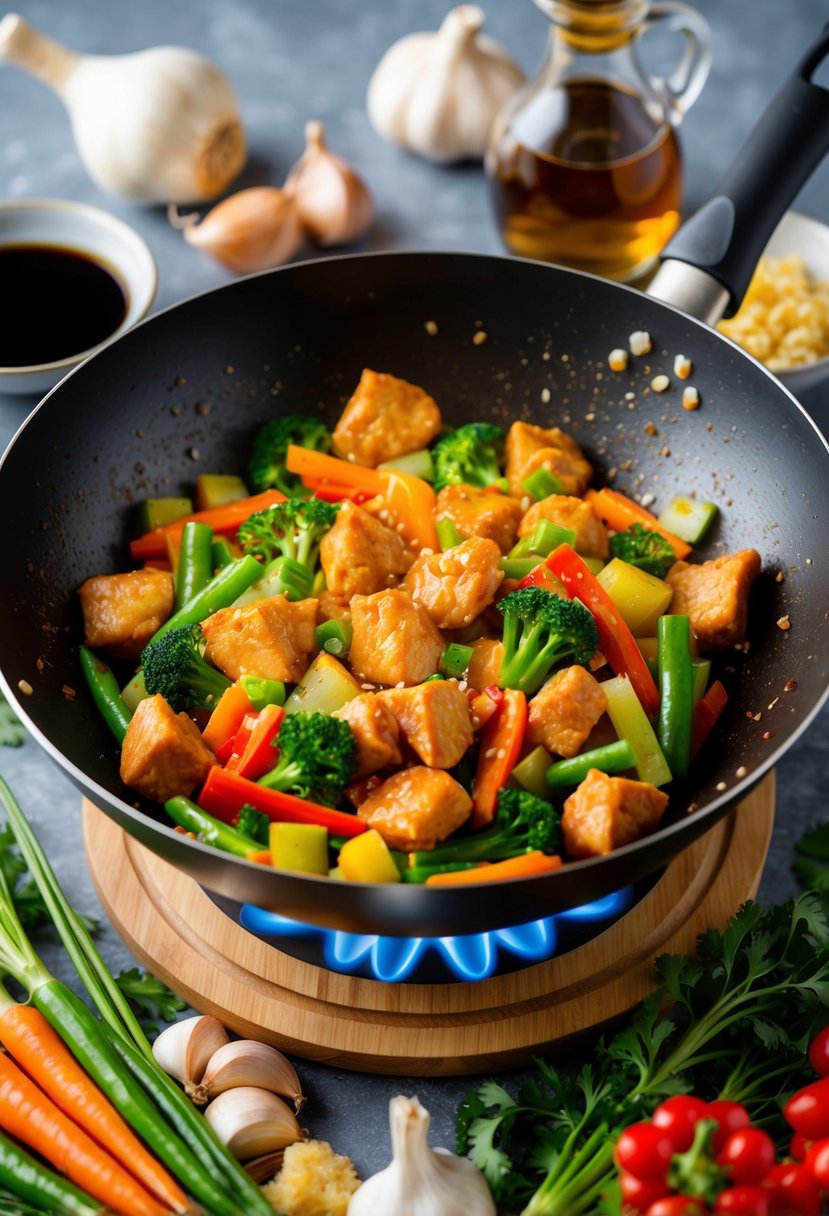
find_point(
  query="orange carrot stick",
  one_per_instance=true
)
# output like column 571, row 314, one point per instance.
column 29, row 1115
column 224, row 520
column 314, row 467
column 226, row 718
column 501, row 741
column 522, row 866
column 619, row 512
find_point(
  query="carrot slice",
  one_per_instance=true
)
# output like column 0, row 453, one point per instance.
column 501, row 741
column 223, row 520
column 522, row 866
column 314, row 466
column 227, row 716
column 262, row 858
column 619, row 512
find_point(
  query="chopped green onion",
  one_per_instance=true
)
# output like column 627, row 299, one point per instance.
column 417, row 464
column 676, row 687
column 334, row 637
column 518, row 567
column 429, row 679
column 448, row 534
column 134, row 692
column 455, row 659
column 541, row 484
column 613, row 757
column 631, row 722
column 531, row 772
column 221, row 553
column 702, row 674
column 688, row 519
column 262, row 692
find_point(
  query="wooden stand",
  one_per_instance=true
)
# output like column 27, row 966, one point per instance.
column 252, row 986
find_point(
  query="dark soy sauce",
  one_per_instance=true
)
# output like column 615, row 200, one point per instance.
column 57, row 302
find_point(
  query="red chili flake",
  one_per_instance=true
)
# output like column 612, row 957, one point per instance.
column 768, row 734
column 650, row 429
column 790, row 686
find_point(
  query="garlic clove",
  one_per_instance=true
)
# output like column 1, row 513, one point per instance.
column 262, row 1169
column 335, row 205
column 184, row 1048
column 248, row 1062
column 252, row 1122
column 254, row 229
column 438, row 93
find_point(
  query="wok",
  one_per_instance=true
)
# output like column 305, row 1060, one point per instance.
column 184, row 391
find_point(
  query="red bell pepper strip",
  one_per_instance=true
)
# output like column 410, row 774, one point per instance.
column 541, row 577
column 224, row 520
column 706, row 712
column 328, row 492
column 616, row 641
column 501, row 741
column 259, row 755
column 225, row 793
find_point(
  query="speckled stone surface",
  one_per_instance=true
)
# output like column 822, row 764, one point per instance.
column 292, row 60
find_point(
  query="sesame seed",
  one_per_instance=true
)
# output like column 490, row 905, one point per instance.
column 431, row 328
column 545, row 395
column 784, row 623
column 721, row 785
column 741, row 771
column 647, row 499
column 25, row 687
column 479, row 338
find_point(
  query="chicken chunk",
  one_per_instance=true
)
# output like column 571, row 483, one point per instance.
column 360, row 555
column 434, row 719
column 714, row 595
column 477, row 512
column 575, row 514
column 121, row 612
column 375, row 731
column 332, row 607
column 395, row 641
column 163, row 754
column 531, row 447
column 485, row 664
column 456, row 586
column 416, row 808
column 273, row 638
column 386, row 417
column 563, row 713
column 605, row 813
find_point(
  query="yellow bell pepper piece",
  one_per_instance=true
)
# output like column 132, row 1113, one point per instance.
column 299, row 846
column 325, row 687
column 366, row 858
column 640, row 597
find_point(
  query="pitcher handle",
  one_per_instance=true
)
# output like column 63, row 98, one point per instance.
column 679, row 90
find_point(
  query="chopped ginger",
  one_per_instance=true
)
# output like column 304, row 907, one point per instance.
column 313, row 1181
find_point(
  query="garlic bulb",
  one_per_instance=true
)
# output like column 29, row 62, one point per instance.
column 255, row 229
column 252, row 1122
column 160, row 125
column 248, row 1062
column 333, row 200
column 421, row 1181
column 438, row 93
column 184, row 1049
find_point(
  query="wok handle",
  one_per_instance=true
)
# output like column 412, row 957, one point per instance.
column 707, row 266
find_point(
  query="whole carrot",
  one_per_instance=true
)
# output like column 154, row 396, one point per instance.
column 27, row 1114
column 35, row 1046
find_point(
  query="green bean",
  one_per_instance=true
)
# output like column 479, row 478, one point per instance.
column 518, row 567
column 195, row 561
column 221, row 553
column 448, row 534
column 220, row 592
column 334, row 637
column 455, row 659
column 32, row 1183
column 611, row 758
column 676, row 691
column 209, row 829
column 105, row 693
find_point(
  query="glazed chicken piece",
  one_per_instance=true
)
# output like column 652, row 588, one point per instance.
column 564, row 711
column 395, row 641
column 575, row 514
column 434, row 719
column 456, row 586
column 485, row 664
column 530, row 447
column 273, row 638
column 360, row 555
column 375, row 731
column 416, row 808
column 477, row 512
column 386, row 417
column 121, row 612
column 605, row 813
column 163, row 754
column 714, row 596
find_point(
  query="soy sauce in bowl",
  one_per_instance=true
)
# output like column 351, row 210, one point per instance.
column 60, row 302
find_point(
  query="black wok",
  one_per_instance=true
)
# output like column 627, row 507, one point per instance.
column 184, row 391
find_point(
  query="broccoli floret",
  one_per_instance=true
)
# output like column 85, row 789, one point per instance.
column 270, row 446
column 469, row 455
column 290, row 533
column 254, row 824
column 316, row 758
column 175, row 667
column 639, row 546
column 540, row 630
column 523, row 823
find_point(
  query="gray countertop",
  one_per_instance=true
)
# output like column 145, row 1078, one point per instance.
column 291, row 60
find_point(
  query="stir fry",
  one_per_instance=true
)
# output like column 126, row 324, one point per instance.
column 402, row 653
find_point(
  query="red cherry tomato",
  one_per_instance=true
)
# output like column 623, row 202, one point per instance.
column 817, row 1162
column 743, row 1201
column 644, row 1150
column 792, row 1191
column 800, row 1146
column 731, row 1117
column 676, row 1205
column 639, row 1194
column 749, row 1154
column 807, row 1111
column 678, row 1117
column 819, row 1052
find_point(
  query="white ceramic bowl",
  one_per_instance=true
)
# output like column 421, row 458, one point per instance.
column 107, row 240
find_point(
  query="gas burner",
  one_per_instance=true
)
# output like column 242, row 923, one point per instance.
column 472, row 956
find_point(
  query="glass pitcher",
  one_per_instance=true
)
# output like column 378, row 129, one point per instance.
column 584, row 163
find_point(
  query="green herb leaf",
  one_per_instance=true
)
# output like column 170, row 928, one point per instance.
column 12, row 730
column 149, row 998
